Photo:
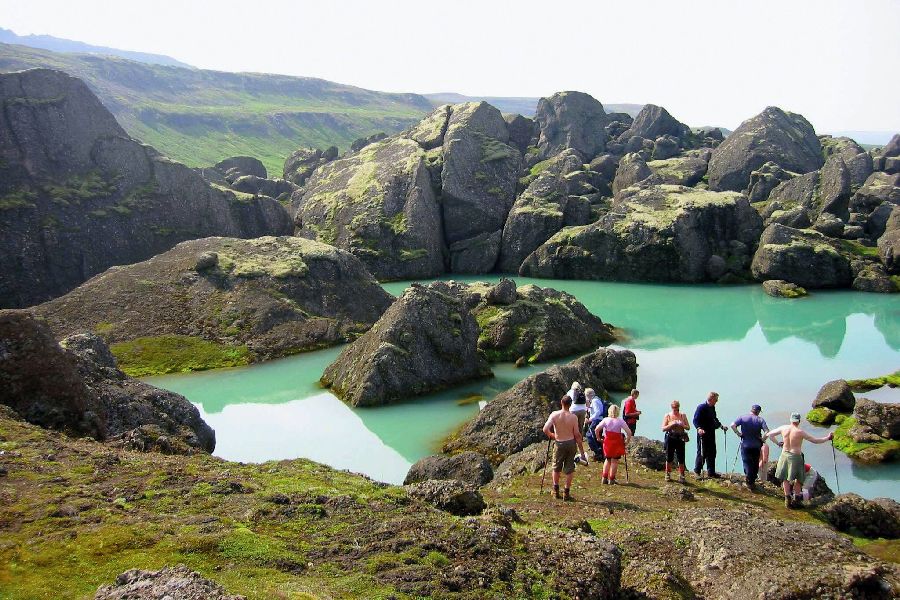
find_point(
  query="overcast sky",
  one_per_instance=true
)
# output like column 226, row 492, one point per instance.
column 708, row 62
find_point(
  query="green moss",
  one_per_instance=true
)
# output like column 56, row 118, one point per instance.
column 883, row 451
column 398, row 223
column 275, row 261
column 863, row 385
column 78, row 188
column 493, row 149
column 857, row 249
column 821, row 416
column 415, row 254
column 21, row 198
column 176, row 354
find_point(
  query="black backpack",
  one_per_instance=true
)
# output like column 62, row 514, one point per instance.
column 579, row 397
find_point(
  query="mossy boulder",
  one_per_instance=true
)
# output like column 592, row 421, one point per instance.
column 377, row 204
column 879, row 187
column 863, row 445
column 541, row 324
column 687, row 169
column 878, row 518
column 655, row 233
column 821, row 416
column 426, row 341
column 779, row 288
column 571, row 120
column 835, row 395
column 170, row 582
column 858, row 161
column 881, row 418
column 259, row 299
column 806, row 258
column 513, row 419
column 785, row 138
column 654, row 121
column 469, row 468
column 632, row 169
column 71, row 176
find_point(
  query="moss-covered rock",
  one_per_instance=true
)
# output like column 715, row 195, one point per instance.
column 377, row 204
column 655, row 233
column 804, row 257
column 687, row 169
column 223, row 302
column 821, row 416
column 875, row 451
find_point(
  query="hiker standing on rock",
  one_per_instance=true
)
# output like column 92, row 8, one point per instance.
column 751, row 434
column 675, row 426
column 706, row 422
column 791, row 468
column 562, row 426
column 597, row 412
column 616, row 436
column 579, row 403
column 630, row 412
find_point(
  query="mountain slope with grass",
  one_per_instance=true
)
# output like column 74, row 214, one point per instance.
column 199, row 117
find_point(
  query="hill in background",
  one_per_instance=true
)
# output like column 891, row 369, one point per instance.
column 48, row 42
column 522, row 105
column 199, row 117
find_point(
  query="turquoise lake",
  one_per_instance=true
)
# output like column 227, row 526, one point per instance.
column 688, row 340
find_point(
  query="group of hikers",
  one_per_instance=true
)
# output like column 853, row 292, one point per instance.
column 607, row 428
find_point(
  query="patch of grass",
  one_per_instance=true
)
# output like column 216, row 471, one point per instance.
column 415, row 254
column 854, row 247
column 21, row 198
column 176, row 354
column 883, row 451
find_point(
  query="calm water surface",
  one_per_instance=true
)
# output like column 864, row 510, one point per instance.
column 688, row 340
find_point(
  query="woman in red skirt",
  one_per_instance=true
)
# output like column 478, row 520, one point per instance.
column 616, row 434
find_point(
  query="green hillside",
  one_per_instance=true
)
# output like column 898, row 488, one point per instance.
column 199, row 117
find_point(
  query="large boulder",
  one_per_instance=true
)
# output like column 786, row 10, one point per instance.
column 540, row 211
column 77, row 388
column 880, row 187
column 784, row 138
column 273, row 188
column 655, row 121
column 804, row 257
column 881, row 418
column 302, row 163
column 655, row 233
column 71, row 176
column 765, row 179
column 427, row 340
column 889, row 243
column 449, row 495
column 478, row 183
column 513, row 420
column 470, row 468
column 646, row 452
column 686, row 169
column 779, row 288
column 835, row 395
column 632, row 169
column 238, row 166
column 171, row 582
column 269, row 296
column 379, row 205
column 521, row 131
column 878, row 518
column 571, row 120
column 539, row 324
column 854, row 156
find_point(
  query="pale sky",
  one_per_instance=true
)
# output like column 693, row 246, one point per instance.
column 708, row 62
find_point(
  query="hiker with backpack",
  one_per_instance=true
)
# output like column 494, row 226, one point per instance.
column 596, row 413
column 562, row 427
column 675, row 426
column 615, row 433
column 579, row 403
column 791, row 469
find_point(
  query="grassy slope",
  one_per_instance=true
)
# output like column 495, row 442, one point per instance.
column 199, row 117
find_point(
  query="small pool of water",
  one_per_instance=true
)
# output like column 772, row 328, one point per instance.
column 688, row 340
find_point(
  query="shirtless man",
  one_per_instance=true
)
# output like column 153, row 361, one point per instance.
column 562, row 426
column 791, row 468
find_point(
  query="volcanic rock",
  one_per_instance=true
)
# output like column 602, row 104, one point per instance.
column 171, row 582
column 835, row 395
column 571, row 120
column 469, row 468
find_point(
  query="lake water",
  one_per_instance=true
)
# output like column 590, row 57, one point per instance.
column 688, row 340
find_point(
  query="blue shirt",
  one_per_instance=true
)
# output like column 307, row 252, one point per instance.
column 752, row 427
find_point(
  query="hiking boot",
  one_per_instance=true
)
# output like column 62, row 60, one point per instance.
column 556, row 492
column 668, row 476
column 567, row 497
column 613, row 482
column 788, row 502
column 751, row 487
column 681, row 479
column 713, row 475
column 605, row 481
column 796, row 502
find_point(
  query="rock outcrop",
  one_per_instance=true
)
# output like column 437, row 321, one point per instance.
column 779, row 288
column 880, row 418
column 804, row 257
column 878, row 518
column 269, row 296
column 170, row 582
column 646, row 452
column 302, row 163
column 77, row 388
column 449, row 495
column 469, row 468
column 571, row 120
column 654, row 122
column 70, row 176
column 427, row 340
column 513, row 420
column 785, row 138
column 655, row 233
column 835, row 395
column 379, row 205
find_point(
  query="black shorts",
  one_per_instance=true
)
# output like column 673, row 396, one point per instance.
column 674, row 446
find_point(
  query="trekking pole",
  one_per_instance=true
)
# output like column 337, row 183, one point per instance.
column 725, row 449
column 546, row 460
column 734, row 463
column 626, row 466
column 834, row 461
column 702, row 456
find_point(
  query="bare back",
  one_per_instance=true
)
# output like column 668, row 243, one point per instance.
column 565, row 425
column 794, row 436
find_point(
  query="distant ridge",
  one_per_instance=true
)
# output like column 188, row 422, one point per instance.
column 48, row 42
column 523, row 105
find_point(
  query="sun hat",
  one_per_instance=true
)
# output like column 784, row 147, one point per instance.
column 795, row 417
